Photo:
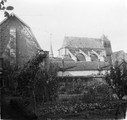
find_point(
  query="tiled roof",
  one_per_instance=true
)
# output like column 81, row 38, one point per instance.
column 81, row 66
column 82, row 42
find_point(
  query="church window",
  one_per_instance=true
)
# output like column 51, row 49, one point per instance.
column 94, row 57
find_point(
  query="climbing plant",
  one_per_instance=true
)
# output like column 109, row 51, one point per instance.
column 117, row 79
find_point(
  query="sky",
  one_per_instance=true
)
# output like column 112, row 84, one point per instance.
column 51, row 20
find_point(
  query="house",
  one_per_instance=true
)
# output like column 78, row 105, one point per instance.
column 86, row 49
column 119, row 56
column 17, row 42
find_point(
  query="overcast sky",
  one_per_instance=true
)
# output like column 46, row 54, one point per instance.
column 81, row 18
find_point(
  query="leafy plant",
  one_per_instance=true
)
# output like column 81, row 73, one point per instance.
column 46, row 84
column 5, row 8
column 35, row 80
column 97, row 90
column 117, row 79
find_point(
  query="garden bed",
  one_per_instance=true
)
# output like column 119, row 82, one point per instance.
column 81, row 110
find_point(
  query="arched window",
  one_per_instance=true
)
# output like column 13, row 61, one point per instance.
column 80, row 57
column 94, row 57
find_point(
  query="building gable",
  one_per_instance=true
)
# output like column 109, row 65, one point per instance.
column 26, row 44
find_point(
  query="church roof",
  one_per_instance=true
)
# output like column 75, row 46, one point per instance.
column 82, row 42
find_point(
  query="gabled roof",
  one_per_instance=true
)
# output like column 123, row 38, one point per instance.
column 119, row 55
column 26, row 27
column 82, row 42
column 11, row 16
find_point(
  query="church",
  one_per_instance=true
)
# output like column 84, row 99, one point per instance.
column 86, row 49
column 84, row 57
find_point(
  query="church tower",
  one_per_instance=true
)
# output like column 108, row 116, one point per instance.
column 107, row 45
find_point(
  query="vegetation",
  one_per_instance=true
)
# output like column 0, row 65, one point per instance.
column 42, row 85
column 95, row 99
column 67, row 109
column 98, row 93
column 34, row 81
column 117, row 79
column 93, row 90
column 5, row 8
column 46, row 84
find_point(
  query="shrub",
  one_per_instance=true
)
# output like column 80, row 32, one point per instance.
column 97, row 91
column 117, row 79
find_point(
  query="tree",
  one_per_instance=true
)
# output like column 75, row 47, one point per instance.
column 34, row 79
column 46, row 84
column 26, row 76
column 117, row 79
column 5, row 8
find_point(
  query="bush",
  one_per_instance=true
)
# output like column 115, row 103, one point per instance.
column 89, row 97
column 97, row 92
column 117, row 79
column 62, row 90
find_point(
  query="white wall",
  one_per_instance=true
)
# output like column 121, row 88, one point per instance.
column 79, row 73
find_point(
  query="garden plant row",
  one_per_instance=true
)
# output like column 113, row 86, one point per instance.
column 68, row 108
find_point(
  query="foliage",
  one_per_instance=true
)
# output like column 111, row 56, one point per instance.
column 117, row 79
column 46, row 84
column 98, row 93
column 33, row 76
column 5, row 8
column 70, row 108
column 34, row 80
column 91, row 91
column 26, row 75
column 8, row 75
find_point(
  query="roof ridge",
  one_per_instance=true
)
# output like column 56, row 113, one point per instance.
column 3, row 21
column 14, row 15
